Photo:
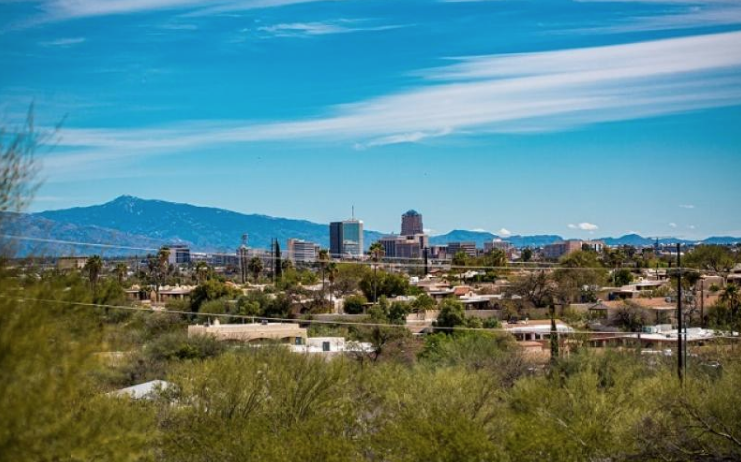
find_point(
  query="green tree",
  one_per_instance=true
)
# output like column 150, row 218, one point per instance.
column 452, row 314
column 622, row 277
column 93, row 267
column 121, row 271
column 527, row 254
column 377, row 252
column 255, row 266
column 323, row 258
column 423, row 302
column 354, row 304
column 710, row 257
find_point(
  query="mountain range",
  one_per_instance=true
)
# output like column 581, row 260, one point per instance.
column 129, row 221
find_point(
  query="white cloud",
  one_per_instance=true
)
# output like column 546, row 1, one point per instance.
column 687, row 206
column 61, row 10
column 63, row 42
column 523, row 92
column 674, row 14
column 672, row 225
column 504, row 232
column 479, row 230
column 691, row 226
column 309, row 29
column 584, row 226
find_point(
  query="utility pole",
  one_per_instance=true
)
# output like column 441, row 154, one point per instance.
column 427, row 267
column 680, row 323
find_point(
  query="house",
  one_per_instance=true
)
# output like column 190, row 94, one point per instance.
column 331, row 346
column 258, row 332
column 536, row 330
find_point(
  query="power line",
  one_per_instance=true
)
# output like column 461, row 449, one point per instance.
column 321, row 321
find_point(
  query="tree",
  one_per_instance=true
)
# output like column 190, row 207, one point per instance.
column 452, row 314
column 460, row 259
column 354, row 304
column 121, row 271
column 377, row 253
column 277, row 264
column 323, row 258
column 202, row 271
column 93, row 266
column 730, row 296
column 535, row 287
column 527, row 254
column 423, row 302
column 622, row 277
column 255, row 266
column 18, row 166
column 332, row 273
column 580, row 272
column 710, row 257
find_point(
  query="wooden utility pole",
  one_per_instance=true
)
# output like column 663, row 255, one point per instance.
column 680, row 322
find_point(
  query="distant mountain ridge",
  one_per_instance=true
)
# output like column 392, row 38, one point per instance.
column 143, row 223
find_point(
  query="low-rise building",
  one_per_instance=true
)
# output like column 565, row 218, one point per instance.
column 302, row 251
column 282, row 332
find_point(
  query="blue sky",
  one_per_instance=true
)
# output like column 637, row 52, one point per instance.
column 579, row 118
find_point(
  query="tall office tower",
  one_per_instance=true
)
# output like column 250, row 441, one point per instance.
column 335, row 238
column 411, row 223
column 346, row 238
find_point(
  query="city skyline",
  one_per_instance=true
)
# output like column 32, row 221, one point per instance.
column 582, row 119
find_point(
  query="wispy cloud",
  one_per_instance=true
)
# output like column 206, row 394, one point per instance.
column 309, row 29
column 672, row 225
column 687, row 206
column 676, row 14
column 584, row 226
column 63, row 42
column 62, row 10
column 510, row 93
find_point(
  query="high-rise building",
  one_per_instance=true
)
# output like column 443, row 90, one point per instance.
column 346, row 238
column 411, row 223
column 404, row 246
column 179, row 254
column 469, row 248
column 302, row 251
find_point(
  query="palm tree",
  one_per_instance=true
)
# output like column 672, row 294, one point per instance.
column 332, row 272
column 202, row 270
column 255, row 267
column 377, row 252
column 121, row 272
column 731, row 295
column 93, row 266
column 324, row 260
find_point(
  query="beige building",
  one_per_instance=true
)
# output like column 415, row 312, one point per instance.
column 70, row 263
column 281, row 332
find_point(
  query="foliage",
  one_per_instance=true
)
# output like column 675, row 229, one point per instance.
column 622, row 277
column 383, row 284
column 211, row 289
column 354, row 304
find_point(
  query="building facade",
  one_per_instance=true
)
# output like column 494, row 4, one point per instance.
column 411, row 223
column 346, row 238
column 468, row 247
column 302, row 251
column 179, row 254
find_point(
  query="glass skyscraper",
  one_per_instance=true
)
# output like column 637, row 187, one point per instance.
column 346, row 238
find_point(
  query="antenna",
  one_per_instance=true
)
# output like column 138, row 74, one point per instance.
column 353, row 212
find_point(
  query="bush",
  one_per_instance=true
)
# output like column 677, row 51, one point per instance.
column 354, row 304
column 177, row 345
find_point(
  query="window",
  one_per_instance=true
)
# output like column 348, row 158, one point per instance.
column 325, row 346
column 299, row 341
